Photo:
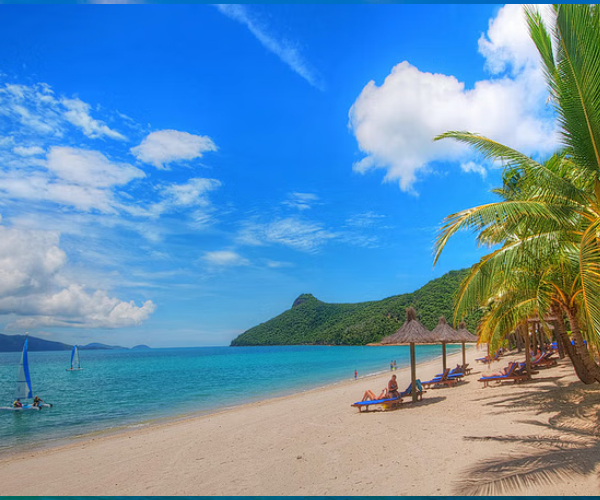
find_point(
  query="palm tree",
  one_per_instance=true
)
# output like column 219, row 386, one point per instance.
column 548, row 224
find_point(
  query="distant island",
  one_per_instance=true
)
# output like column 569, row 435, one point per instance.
column 14, row 343
column 311, row 321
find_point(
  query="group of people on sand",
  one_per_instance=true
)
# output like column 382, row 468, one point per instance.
column 389, row 392
column 36, row 402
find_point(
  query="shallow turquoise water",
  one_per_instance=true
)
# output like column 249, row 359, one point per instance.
column 117, row 388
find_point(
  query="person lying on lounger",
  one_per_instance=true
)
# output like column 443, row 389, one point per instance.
column 500, row 373
column 370, row 395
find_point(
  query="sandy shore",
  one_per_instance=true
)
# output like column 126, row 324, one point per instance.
column 535, row 438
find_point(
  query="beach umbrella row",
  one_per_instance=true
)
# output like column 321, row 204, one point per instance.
column 413, row 332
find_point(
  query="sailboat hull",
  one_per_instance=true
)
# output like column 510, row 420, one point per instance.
column 24, row 408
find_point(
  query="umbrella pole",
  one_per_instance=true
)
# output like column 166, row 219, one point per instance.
column 413, row 373
column 464, row 357
column 444, row 354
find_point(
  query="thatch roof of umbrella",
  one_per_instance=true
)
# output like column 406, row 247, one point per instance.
column 464, row 335
column 443, row 332
column 412, row 331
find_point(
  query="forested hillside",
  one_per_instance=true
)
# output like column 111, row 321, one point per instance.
column 311, row 321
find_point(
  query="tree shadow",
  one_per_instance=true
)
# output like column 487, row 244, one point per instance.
column 571, row 447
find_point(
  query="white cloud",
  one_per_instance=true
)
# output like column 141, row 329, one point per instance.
column 365, row 220
column 293, row 232
column 287, row 51
column 165, row 146
column 37, row 110
column 471, row 166
column 395, row 123
column 78, row 113
column 90, row 168
column 28, row 150
column 225, row 258
column 301, row 201
column 78, row 178
column 34, row 287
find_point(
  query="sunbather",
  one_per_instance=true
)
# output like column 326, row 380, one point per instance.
column 500, row 373
column 370, row 395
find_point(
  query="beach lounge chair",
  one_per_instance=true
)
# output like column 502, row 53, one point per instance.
column 443, row 380
column 456, row 372
column 465, row 369
column 387, row 404
column 488, row 359
column 420, row 391
column 543, row 360
column 509, row 374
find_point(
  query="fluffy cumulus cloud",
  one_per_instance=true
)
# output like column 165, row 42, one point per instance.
column 167, row 146
column 293, row 232
column 394, row 123
column 35, row 289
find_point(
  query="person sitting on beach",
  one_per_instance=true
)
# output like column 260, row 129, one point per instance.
column 17, row 403
column 393, row 388
column 370, row 395
column 37, row 401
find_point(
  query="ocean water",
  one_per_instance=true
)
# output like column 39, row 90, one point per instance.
column 130, row 388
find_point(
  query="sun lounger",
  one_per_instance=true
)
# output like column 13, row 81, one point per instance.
column 443, row 380
column 510, row 374
column 456, row 373
column 544, row 360
column 387, row 404
column 420, row 391
column 488, row 359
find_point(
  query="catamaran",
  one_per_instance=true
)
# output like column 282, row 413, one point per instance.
column 75, row 363
column 24, row 391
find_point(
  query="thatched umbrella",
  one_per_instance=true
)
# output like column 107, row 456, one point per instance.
column 444, row 333
column 465, row 336
column 412, row 332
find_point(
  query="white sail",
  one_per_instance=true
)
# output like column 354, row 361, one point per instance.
column 23, row 379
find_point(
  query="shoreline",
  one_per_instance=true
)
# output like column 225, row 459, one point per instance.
column 151, row 421
column 314, row 443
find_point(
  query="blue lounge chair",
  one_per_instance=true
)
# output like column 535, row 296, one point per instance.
column 420, row 391
column 388, row 403
column 509, row 374
column 456, row 372
column 444, row 380
column 489, row 359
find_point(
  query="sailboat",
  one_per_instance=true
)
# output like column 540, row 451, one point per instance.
column 75, row 363
column 24, row 390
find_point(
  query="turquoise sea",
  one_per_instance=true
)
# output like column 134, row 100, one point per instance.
column 130, row 388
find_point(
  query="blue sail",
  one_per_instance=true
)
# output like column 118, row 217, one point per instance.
column 23, row 379
column 75, row 363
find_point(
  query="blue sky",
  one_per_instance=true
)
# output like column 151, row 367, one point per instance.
column 176, row 174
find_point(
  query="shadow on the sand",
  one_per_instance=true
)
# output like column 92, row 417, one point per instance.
column 425, row 402
column 571, row 448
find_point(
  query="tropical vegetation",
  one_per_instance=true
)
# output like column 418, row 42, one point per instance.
column 546, row 228
column 311, row 321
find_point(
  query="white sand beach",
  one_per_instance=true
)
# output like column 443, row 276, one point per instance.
column 534, row 438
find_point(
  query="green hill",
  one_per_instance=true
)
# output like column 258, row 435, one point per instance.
column 311, row 321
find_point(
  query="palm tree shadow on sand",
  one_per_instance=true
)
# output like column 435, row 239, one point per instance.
column 570, row 448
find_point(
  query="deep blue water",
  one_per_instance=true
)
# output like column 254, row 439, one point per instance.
column 117, row 388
